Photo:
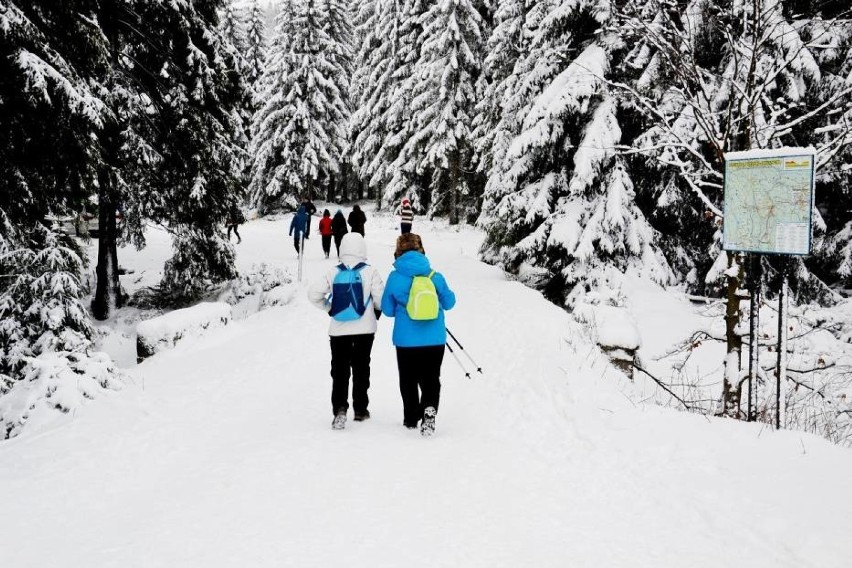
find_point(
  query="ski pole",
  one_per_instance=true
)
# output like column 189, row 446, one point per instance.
column 478, row 368
column 466, row 374
column 301, row 254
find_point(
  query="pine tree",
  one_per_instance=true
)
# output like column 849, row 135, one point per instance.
column 256, row 46
column 300, row 131
column 374, row 86
column 443, row 99
column 717, row 78
column 397, row 126
column 172, row 146
column 50, row 107
column 564, row 216
column 505, row 46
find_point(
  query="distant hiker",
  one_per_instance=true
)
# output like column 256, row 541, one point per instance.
column 326, row 232
column 310, row 208
column 357, row 219
column 406, row 216
column 338, row 229
column 416, row 297
column 236, row 217
column 350, row 294
column 299, row 226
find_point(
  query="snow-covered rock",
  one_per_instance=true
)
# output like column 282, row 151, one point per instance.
column 614, row 330
column 165, row 331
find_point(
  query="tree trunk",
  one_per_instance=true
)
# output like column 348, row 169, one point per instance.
column 108, row 289
column 734, row 341
column 455, row 180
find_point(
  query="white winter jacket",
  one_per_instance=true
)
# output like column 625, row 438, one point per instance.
column 353, row 250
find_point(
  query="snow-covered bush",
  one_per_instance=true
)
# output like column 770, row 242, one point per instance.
column 55, row 381
column 271, row 286
column 817, row 394
column 46, row 357
column 164, row 332
column 200, row 262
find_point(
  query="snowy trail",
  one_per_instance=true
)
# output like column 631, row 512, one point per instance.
column 221, row 454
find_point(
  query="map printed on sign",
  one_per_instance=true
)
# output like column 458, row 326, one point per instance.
column 768, row 201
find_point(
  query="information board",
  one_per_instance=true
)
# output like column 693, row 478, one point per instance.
column 769, row 197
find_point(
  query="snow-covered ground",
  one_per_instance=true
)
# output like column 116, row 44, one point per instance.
column 220, row 452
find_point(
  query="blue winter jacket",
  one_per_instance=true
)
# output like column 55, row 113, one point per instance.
column 300, row 223
column 407, row 332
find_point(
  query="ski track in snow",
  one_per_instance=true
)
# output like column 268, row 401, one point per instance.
column 220, row 453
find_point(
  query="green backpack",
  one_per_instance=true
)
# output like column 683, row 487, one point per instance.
column 422, row 299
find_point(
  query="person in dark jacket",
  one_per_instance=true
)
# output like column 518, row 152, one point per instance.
column 299, row 226
column 419, row 343
column 357, row 219
column 326, row 232
column 236, row 217
column 310, row 208
column 338, row 229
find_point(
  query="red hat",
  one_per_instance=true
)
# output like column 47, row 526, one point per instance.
column 405, row 200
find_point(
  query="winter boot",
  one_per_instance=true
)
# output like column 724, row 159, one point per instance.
column 361, row 416
column 339, row 422
column 427, row 426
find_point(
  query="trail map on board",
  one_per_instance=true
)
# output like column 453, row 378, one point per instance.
column 768, row 200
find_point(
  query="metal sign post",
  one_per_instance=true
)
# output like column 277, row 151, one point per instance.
column 756, row 275
column 768, row 202
column 781, row 374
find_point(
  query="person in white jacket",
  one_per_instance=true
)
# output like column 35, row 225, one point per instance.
column 351, row 341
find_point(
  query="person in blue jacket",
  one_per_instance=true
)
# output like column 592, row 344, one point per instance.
column 300, row 224
column 419, row 343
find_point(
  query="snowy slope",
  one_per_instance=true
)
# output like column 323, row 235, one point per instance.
column 219, row 453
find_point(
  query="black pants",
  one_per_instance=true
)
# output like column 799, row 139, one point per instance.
column 326, row 244
column 419, row 368
column 236, row 232
column 296, row 239
column 404, row 228
column 337, row 238
column 350, row 353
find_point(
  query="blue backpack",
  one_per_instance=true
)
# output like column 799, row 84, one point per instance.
column 347, row 293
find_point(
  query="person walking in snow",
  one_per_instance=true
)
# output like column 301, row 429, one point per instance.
column 338, row 229
column 309, row 206
column 419, row 342
column 351, row 336
column 299, row 226
column 357, row 219
column 236, row 217
column 406, row 216
column 326, row 232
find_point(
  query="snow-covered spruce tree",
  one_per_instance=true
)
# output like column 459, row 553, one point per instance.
column 374, row 85
column 233, row 32
column 46, row 357
column 532, row 69
column 505, row 46
column 443, row 97
column 49, row 108
column 396, row 122
column 255, row 46
column 564, row 217
column 172, row 142
column 299, row 133
column 723, row 77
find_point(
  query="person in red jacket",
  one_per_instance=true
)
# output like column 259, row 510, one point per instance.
column 326, row 232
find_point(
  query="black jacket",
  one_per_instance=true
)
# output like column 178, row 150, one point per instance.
column 357, row 219
column 338, row 225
